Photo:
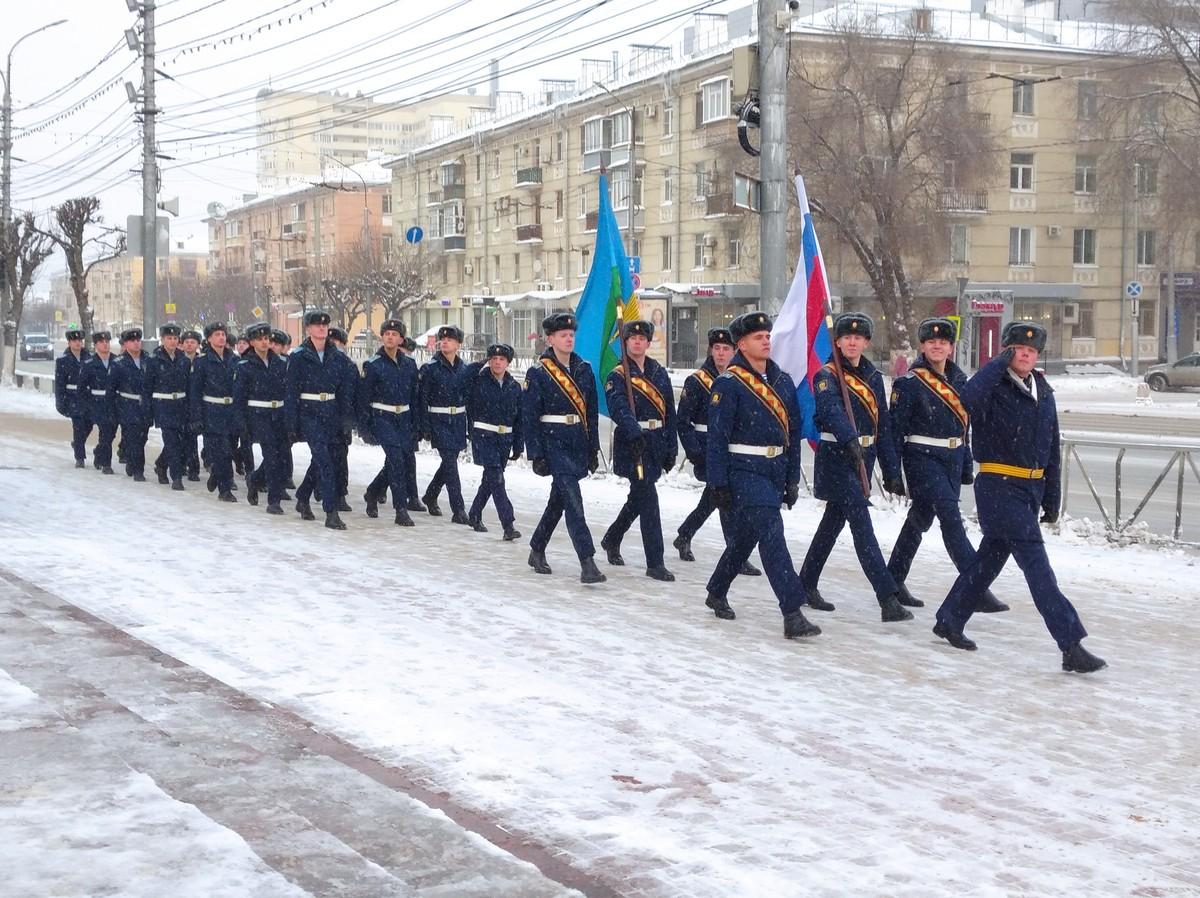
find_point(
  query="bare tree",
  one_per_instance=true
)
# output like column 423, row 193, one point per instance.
column 25, row 250
column 401, row 280
column 890, row 147
column 219, row 297
column 345, row 287
column 78, row 230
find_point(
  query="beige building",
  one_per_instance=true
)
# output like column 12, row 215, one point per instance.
column 115, row 286
column 301, row 134
column 509, row 206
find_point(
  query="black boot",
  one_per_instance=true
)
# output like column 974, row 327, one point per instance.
column 588, row 572
column 955, row 638
column 660, row 573
column 612, row 551
column 162, row 475
column 460, row 517
column 305, row 510
column 80, row 463
column 414, row 504
column 239, row 469
column 891, row 611
column 211, row 483
column 797, row 626
column 177, row 485
column 333, row 522
column 343, row 505
column 989, row 604
column 251, row 493
column 537, row 561
column 139, row 478
column 372, row 505
column 290, row 485
column 749, row 570
column 285, row 496
column 274, row 508
column 431, row 506
column 227, row 496
column 477, row 525
column 194, row 476
column 402, row 518
column 816, row 601
column 96, row 464
column 720, row 606
column 1077, row 659
column 684, row 545
column 904, row 597
column 511, row 533
column 107, row 469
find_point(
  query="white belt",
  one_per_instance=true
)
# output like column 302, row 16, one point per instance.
column 560, row 419
column 656, row 424
column 747, row 449
column 99, row 392
column 943, row 442
column 72, row 386
column 168, row 395
column 265, row 403
column 136, row 397
column 446, row 409
column 700, row 428
column 219, row 400
column 319, row 397
column 862, row 441
column 495, row 428
column 394, row 409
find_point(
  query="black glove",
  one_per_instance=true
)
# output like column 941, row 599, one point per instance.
column 968, row 475
column 668, row 464
column 696, row 459
column 894, row 485
column 638, row 445
column 541, row 466
column 426, row 436
column 594, row 462
column 516, row 453
column 722, row 497
column 854, row 453
column 1049, row 515
column 368, row 436
column 791, row 493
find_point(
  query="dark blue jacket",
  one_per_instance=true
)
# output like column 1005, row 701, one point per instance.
column 312, row 420
column 498, row 402
column 390, row 382
column 167, row 375
column 934, row 473
column 444, row 386
column 254, row 379
column 693, row 411
column 1010, row 427
column 835, row 477
column 66, row 383
column 736, row 415
column 96, row 394
column 568, row 447
column 128, row 380
column 661, row 442
column 212, row 378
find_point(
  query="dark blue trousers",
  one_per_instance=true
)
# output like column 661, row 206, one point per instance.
column 171, row 459
column 133, row 438
column 271, row 474
column 565, row 497
column 218, row 448
column 919, row 520
column 396, row 469
column 641, row 503
column 103, row 452
column 341, row 462
column 447, row 475
column 704, row 508
column 1057, row 611
column 244, row 453
column 81, row 429
column 866, row 546
column 321, row 474
column 761, row 526
column 491, row 486
column 191, row 449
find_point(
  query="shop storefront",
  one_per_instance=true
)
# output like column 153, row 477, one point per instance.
column 691, row 310
column 1186, row 326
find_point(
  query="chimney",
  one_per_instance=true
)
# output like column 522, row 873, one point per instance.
column 494, row 81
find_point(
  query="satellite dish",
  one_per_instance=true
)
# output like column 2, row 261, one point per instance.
column 216, row 210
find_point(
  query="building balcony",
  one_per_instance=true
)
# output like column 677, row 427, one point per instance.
column 295, row 230
column 529, row 177
column 718, row 205
column 529, row 233
column 590, row 221
column 453, row 192
column 954, row 200
column 455, row 243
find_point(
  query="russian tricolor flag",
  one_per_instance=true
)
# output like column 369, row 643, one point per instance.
column 800, row 342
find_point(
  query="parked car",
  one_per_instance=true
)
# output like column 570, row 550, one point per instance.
column 1184, row 373
column 36, row 346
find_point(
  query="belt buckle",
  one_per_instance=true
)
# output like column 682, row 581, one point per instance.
column 324, row 397
column 772, row 451
column 864, row 441
column 572, row 419
column 500, row 428
column 954, row 442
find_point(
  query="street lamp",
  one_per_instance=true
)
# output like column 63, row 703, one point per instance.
column 632, row 163
column 366, row 243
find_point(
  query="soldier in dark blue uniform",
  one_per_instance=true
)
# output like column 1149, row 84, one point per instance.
column 243, row 444
column 128, row 378
column 753, row 466
column 165, row 390
column 213, row 411
column 444, row 419
column 66, row 393
column 1014, row 424
column 410, row 465
column 98, row 398
column 388, row 397
column 645, row 446
column 494, row 401
column 560, row 422
column 259, row 388
column 341, row 450
column 929, row 427
column 319, row 408
column 844, row 442
column 189, row 343
column 692, row 423
column 281, row 344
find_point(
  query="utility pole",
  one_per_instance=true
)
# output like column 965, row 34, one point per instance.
column 149, row 178
column 1135, row 303
column 774, row 21
column 1172, row 339
column 632, row 164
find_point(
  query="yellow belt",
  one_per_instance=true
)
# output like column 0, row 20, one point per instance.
column 991, row 467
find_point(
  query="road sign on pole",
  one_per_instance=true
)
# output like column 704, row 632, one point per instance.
column 257, row 311
column 169, row 308
column 1133, row 289
column 414, row 234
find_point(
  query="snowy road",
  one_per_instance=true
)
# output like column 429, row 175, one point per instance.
column 663, row 752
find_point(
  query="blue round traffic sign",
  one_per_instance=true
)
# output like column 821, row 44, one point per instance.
column 1133, row 289
column 414, row 234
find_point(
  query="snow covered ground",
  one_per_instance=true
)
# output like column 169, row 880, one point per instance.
column 666, row 752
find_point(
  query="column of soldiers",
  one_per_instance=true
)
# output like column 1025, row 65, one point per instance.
column 738, row 421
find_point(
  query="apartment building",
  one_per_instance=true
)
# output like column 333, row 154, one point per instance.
column 115, row 286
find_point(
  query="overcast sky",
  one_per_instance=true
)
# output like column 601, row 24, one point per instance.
column 394, row 49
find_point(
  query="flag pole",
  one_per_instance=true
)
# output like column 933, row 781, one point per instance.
column 628, row 378
column 837, row 367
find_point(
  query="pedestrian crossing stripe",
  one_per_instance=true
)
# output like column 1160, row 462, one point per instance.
column 946, row 393
column 765, row 395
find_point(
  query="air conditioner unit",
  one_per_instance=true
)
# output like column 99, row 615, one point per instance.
column 468, row 268
column 1070, row 313
column 707, row 260
column 651, row 111
column 544, row 286
column 710, row 241
column 1054, row 230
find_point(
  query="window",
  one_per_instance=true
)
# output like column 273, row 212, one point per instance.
column 668, row 119
column 584, row 262
column 1020, row 171
column 1086, row 326
column 1085, row 246
column 478, row 167
column 1150, row 110
column 958, row 244
column 477, row 269
column 620, row 129
column 516, row 266
column 701, row 180
column 1147, row 318
column 668, row 260
column 1145, row 247
column 715, row 100
column 1147, row 178
column 747, row 192
column 593, row 135
column 668, row 188
column 559, row 271
column 698, row 252
column 495, row 172
column 583, row 202
column 496, row 269
column 522, row 327
column 1085, row 174
column 620, row 183
column 387, row 204
column 385, row 245
column 735, row 253
column 1020, row 246
column 559, row 205
column 560, row 142
column 1087, row 101
column 1022, row 97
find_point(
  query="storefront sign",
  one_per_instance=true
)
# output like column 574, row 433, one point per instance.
column 988, row 302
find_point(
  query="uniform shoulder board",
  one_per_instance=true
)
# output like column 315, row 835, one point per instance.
column 727, row 374
column 908, row 376
column 537, row 363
